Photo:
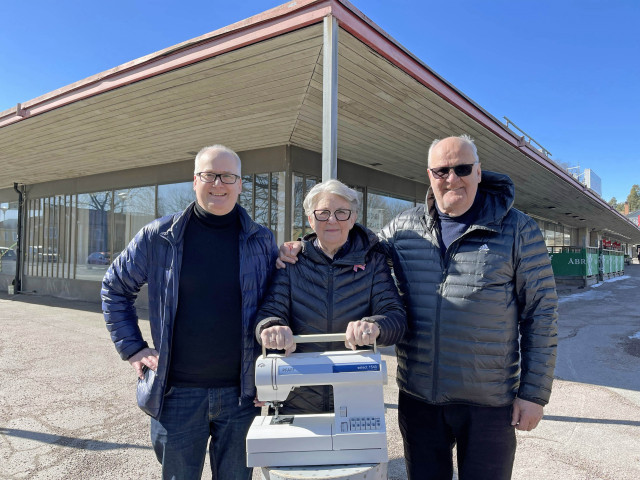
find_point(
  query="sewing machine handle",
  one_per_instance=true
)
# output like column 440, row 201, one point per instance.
column 321, row 337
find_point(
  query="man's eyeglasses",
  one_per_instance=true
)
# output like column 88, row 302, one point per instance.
column 340, row 215
column 209, row 177
column 463, row 170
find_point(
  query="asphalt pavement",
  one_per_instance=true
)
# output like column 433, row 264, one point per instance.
column 68, row 409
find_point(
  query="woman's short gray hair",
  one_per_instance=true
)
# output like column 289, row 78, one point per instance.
column 334, row 187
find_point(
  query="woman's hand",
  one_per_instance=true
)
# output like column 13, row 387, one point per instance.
column 361, row 333
column 278, row 337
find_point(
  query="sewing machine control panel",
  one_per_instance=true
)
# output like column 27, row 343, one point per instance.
column 361, row 424
column 358, row 424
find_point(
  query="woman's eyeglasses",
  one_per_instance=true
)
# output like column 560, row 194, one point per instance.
column 340, row 215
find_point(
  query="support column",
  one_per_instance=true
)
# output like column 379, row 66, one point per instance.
column 583, row 237
column 330, row 99
column 289, row 197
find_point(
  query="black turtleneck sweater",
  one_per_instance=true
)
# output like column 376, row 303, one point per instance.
column 207, row 333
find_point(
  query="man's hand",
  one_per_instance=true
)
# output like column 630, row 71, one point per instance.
column 526, row 415
column 147, row 357
column 288, row 254
column 360, row 333
column 278, row 337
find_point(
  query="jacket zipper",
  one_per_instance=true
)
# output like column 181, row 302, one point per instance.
column 243, row 241
column 325, row 401
column 444, row 265
column 174, row 261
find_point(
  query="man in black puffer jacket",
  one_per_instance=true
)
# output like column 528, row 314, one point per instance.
column 478, row 358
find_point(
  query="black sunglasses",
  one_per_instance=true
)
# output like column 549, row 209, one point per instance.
column 463, row 170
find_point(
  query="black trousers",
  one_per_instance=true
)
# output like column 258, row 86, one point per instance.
column 485, row 439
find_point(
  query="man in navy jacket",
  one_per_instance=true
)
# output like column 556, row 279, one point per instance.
column 207, row 269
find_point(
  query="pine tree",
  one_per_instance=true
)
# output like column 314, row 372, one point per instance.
column 634, row 198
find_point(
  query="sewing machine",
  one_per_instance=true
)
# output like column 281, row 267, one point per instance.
column 355, row 433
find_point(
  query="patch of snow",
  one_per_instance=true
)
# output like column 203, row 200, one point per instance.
column 614, row 279
column 590, row 294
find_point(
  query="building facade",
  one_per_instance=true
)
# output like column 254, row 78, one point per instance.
column 303, row 92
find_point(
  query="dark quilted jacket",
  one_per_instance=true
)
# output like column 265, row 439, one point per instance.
column 465, row 313
column 315, row 296
column 154, row 257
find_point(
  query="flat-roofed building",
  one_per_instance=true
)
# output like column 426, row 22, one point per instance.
column 309, row 90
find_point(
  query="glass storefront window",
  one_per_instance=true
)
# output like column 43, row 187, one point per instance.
column 133, row 208
column 360, row 192
column 53, row 241
column 174, row 197
column 574, row 236
column 382, row 208
column 39, row 257
column 93, row 251
column 301, row 185
column 549, row 234
column 77, row 236
column 277, row 202
column 68, row 233
column 246, row 197
column 8, row 237
column 559, row 236
column 261, row 199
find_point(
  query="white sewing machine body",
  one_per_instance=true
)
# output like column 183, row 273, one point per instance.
column 356, row 433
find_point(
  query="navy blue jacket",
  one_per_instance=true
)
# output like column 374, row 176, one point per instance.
column 154, row 257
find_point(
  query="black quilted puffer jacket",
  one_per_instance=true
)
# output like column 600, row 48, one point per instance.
column 316, row 295
column 482, row 321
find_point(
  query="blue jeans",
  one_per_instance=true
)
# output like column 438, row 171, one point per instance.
column 189, row 417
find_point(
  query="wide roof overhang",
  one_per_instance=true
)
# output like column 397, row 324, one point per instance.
column 258, row 83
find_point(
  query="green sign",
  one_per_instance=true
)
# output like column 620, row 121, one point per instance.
column 586, row 263
column 569, row 264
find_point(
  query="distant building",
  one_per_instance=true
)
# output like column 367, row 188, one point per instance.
column 633, row 216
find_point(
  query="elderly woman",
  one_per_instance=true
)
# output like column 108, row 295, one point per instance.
column 340, row 283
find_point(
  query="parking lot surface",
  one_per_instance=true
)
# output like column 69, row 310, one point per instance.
column 68, row 409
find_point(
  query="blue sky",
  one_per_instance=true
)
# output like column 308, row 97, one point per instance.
column 565, row 71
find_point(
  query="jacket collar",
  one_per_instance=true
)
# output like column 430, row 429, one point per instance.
column 499, row 195
column 177, row 227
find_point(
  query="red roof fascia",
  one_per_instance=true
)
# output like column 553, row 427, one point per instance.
column 269, row 24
